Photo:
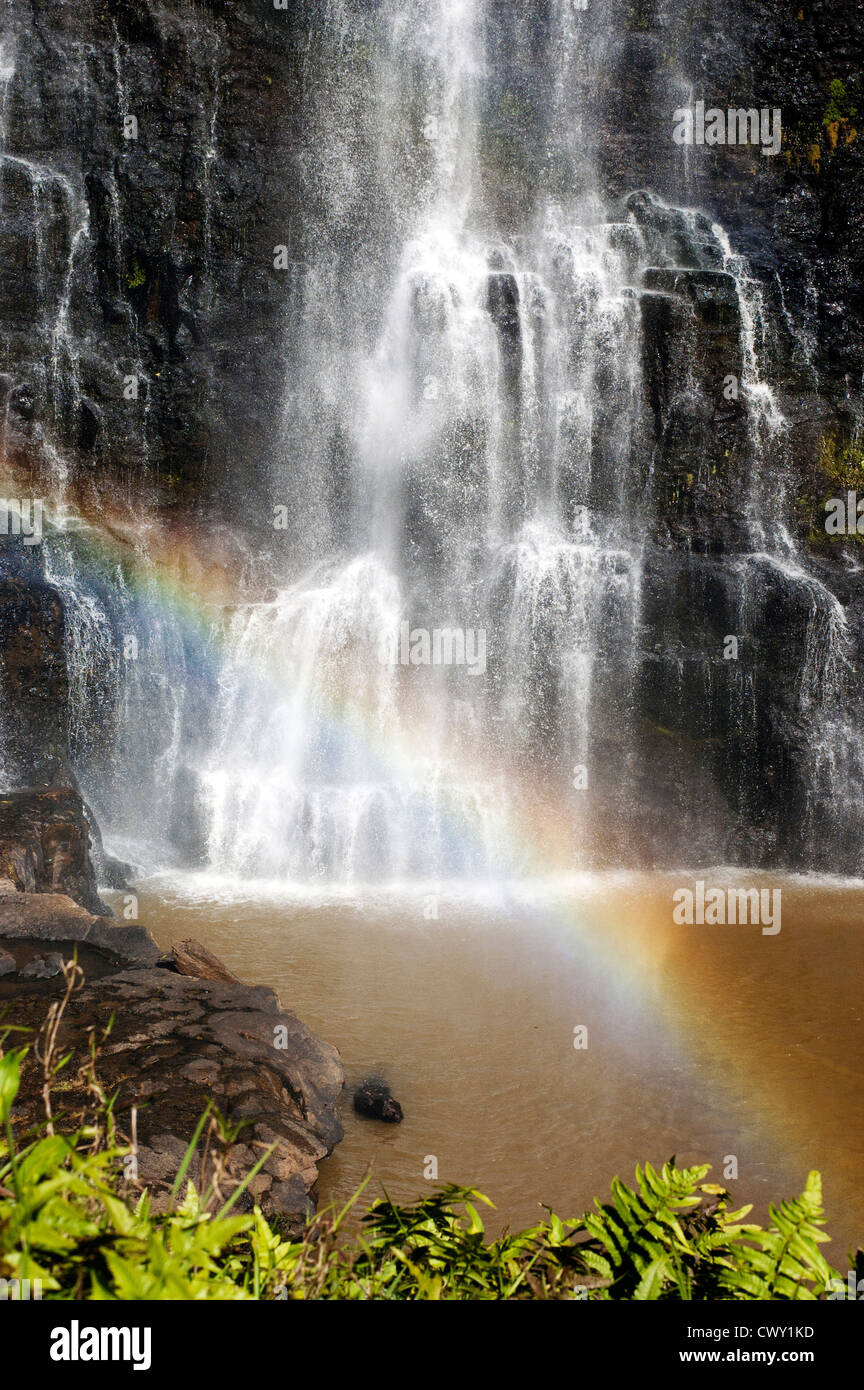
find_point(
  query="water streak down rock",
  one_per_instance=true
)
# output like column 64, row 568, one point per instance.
column 435, row 279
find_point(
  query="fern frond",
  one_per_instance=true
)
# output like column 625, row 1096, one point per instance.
column 782, row 1261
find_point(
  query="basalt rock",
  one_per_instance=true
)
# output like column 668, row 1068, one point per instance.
column 112, row 872
column 33, row 672
column 187, row 830
column 42, row 967
column 45, row 845
column 178, row 1044
column 191, row 958
column 373, row 1099
column 164, row 236
column 50, row 840
column 53, row 917
column 154, row 142
column 502, row 304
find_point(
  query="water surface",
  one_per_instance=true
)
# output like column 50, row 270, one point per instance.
column 705, row 1042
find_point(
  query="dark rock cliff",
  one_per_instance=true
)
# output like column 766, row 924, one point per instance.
column 154, row 163
column 146, row 187
column 172, row 272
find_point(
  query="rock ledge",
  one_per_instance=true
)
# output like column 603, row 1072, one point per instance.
column 177, row 1043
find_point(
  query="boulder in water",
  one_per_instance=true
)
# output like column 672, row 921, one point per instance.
column 191, row 958
column 373, row 1099
column 7, row 964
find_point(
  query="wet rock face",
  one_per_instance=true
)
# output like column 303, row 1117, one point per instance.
column 187, row 829
column 731, row 748
column 148, row 174
column 804, row 207
column 502, row 304
column 798, row 215
column 143, row 190
column 33, row 677
column 45, row 846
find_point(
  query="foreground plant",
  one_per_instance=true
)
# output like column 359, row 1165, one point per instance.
column 74, row 1217
column 67, row 1219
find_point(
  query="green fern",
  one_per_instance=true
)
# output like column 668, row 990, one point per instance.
column 647, row 1251
column 783, row 1262
column 70, row 1219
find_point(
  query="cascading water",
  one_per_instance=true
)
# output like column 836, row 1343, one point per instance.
column 467, row 399
column 482, row 424
column 490, row 364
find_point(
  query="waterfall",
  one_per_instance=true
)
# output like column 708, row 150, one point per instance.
column 466, row 394
column 493, row 428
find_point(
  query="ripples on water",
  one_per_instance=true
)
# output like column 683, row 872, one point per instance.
column 704, row 1042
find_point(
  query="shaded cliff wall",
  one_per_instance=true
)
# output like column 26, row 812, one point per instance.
column 150, row 260
column 148, row 257
column 153, row 256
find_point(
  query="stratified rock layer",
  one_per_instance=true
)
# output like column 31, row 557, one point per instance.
column 176, row 1045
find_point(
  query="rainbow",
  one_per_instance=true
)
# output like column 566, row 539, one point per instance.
column 620, row 923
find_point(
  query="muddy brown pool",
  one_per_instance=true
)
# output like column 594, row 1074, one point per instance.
column 719, row 1044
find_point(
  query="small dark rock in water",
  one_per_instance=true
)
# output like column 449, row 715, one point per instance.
column 373, row 1098
column 7, row 963
column 43, row 967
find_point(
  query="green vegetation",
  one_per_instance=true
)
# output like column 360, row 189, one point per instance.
column 840, row 469
column 136, row 277
column 70, row 1217
column 842, row 462
column 839, row 106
